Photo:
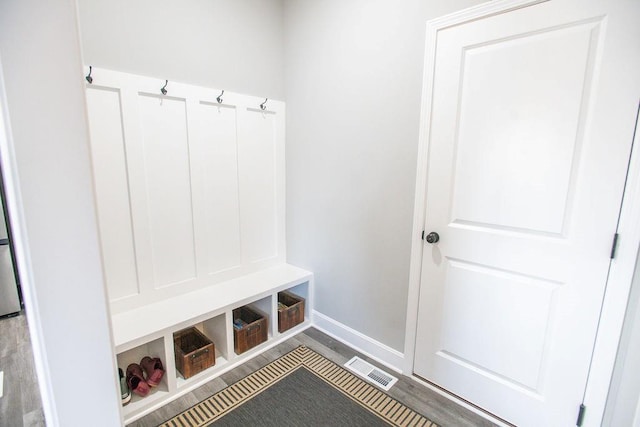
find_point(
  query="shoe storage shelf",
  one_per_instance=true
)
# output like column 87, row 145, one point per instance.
column 155, row 329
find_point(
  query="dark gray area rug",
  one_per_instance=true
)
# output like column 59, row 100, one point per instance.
column 300, row 399
column 302, row 388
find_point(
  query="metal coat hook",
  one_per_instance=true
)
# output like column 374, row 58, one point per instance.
column 219, row 98
column 263, row 106
column 88, row 76
column 164, row 88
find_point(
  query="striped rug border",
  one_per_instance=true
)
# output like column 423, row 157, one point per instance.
column 363, row 393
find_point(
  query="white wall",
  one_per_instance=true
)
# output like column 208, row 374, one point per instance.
column 353, row 73
column 623, row 405
column 51, row 206
column 233, row 44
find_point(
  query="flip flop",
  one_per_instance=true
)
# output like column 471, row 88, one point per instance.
column 135, row 380
column 154, row 370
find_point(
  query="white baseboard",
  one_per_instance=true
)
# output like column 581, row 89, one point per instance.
column 387, row 356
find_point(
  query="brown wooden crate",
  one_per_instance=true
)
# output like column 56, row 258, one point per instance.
column 293, row 314
column 251, row 334
column 194, row 352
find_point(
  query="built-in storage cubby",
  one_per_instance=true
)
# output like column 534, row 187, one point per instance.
column 215, row 329
column 154, row 348
column 301, row 290
column 152, row 330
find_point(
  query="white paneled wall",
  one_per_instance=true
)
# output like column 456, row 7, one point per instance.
column 167, row 189
column 190, row 191
column 112, row 192
column 257, row 168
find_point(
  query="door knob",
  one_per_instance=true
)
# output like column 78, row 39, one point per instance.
column 432, row 237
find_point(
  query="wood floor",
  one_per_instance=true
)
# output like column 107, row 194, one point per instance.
column 20, row 404
column 419, row 398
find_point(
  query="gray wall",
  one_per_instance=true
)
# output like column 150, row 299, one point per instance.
column 232, row 44
column 353, row 85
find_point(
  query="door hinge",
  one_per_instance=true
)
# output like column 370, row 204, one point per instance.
column 581, row 415
column 614, row 245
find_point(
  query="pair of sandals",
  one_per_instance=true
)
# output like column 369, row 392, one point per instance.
column 136, row 380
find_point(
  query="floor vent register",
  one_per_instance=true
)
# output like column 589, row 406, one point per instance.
column 370, row 373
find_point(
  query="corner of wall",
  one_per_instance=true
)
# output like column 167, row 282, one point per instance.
column 389, row 357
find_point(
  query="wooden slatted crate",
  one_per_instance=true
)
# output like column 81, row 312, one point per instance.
column 290, row 310
column 249, row 329
column 194, row 352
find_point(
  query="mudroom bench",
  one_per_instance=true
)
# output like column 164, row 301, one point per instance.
column 149, row 330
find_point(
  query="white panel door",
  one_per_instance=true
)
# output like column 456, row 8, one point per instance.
column 112, row 192
column 530, row 127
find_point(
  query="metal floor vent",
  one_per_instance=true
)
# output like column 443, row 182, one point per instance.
column 370, row 373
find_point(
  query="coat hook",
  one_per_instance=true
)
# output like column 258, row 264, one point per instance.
column 163, row 89
column 263, row 106
column 88, row 76
column 219, row 98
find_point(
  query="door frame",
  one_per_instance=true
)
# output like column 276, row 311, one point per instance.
column 621, row 269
